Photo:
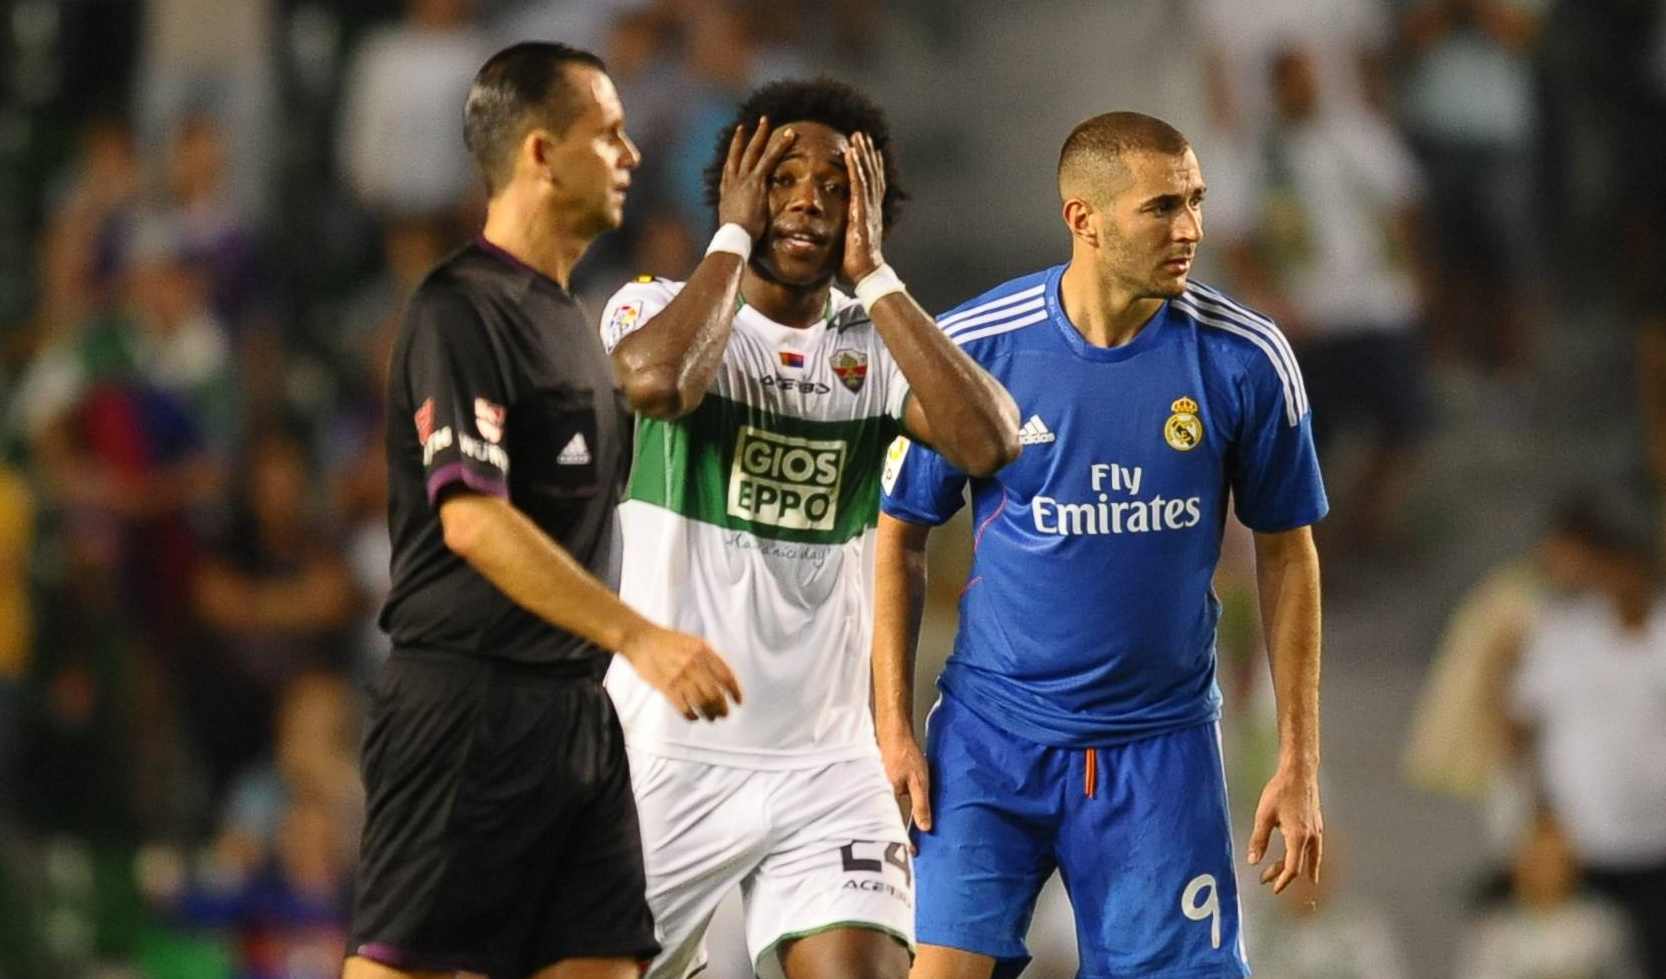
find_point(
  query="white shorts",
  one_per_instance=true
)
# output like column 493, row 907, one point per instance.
column 811, row 849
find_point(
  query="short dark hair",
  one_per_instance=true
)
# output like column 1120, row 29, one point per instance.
column 832, row 103
column 519, row 87
column 1104, row 140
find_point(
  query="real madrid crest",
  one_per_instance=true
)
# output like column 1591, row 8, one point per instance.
column 852, row 368
column 1184, row 430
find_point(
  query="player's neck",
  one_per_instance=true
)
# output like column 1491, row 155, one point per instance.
column 793, row 306
column 534, row 235
column 1105, row 315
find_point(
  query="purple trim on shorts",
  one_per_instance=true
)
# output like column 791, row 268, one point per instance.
column 394, row 957
column 453, row 472
column 383, row 954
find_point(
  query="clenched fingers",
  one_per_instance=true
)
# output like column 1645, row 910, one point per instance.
column 710, row 699
column 723, row 676
column 716, row 685
column 1301, row 849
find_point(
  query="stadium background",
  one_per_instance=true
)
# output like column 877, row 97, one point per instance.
column 210, row 212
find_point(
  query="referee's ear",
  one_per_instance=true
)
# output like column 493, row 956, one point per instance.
column 537, row 155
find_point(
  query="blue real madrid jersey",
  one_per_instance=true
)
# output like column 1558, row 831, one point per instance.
column 1089, row 617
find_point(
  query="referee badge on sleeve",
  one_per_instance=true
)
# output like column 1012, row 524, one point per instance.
column 1184, row 430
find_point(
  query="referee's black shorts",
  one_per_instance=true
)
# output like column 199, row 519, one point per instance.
column 500, row 832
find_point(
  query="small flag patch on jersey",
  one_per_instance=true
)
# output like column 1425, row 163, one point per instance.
column 790, row 359
column 575, row 453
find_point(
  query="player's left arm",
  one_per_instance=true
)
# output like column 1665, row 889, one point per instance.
column 1287, row 573
column 954, row 406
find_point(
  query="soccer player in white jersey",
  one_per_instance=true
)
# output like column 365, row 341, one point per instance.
column 1077, row 725
column 766, row 402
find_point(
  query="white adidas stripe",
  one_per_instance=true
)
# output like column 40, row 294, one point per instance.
column 1291, row 398
column 1211, row 298
column 1004, row 327
column 999, row 314
column 1283, row 358
column 1295, row 397
column 1216, row 301
column 993, row 304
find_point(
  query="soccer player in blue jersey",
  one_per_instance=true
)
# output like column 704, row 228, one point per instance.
column 1077, row 728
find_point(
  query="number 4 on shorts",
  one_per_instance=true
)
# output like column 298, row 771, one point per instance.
column 1199, row 900
column 895, row 854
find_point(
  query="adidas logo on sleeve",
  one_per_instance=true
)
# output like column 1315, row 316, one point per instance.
column 1035, row 432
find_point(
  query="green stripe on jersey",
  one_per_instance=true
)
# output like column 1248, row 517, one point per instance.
column 777, row 476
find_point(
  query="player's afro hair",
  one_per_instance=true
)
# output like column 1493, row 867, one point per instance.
column 833, row 104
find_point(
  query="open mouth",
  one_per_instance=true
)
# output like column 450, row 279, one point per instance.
column 799, row 242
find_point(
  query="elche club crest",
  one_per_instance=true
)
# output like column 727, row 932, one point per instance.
column 852, row 368
column 1184, row 430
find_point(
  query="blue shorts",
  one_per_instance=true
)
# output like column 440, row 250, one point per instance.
column 1139, row 832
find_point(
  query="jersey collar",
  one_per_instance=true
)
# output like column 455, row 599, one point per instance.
column 796, row 336
column 532, row 274
column 1147, row 337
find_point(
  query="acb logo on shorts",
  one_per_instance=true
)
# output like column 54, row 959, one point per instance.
column 784, row 481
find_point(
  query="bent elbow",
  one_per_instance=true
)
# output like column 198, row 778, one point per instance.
column 654, row 393
column 1007, row 450
column 989, row 460
column 995, row 452
column 461, row 527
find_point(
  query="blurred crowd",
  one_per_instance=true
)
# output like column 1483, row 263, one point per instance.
column 212, row 214
column 193, row 489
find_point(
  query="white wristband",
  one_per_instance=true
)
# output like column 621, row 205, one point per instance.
column 876, row 285
column 731, row 238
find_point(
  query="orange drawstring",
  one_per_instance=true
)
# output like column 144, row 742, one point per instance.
column 1091, row 773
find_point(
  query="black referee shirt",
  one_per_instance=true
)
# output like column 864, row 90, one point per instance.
column 498, row 385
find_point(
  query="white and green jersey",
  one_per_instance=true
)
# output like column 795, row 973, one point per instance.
column 750, row 523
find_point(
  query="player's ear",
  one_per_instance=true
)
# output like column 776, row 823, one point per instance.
column 1079, row 218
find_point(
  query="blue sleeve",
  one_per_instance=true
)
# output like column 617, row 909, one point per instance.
column 1276, row 484
column 920, row 486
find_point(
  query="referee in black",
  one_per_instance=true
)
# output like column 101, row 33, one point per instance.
column 501, row 837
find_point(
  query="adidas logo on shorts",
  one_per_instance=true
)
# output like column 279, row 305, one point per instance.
column 576, row 452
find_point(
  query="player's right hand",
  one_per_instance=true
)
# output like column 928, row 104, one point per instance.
column 685, row 670
column 743, row 193
column 905, row 767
